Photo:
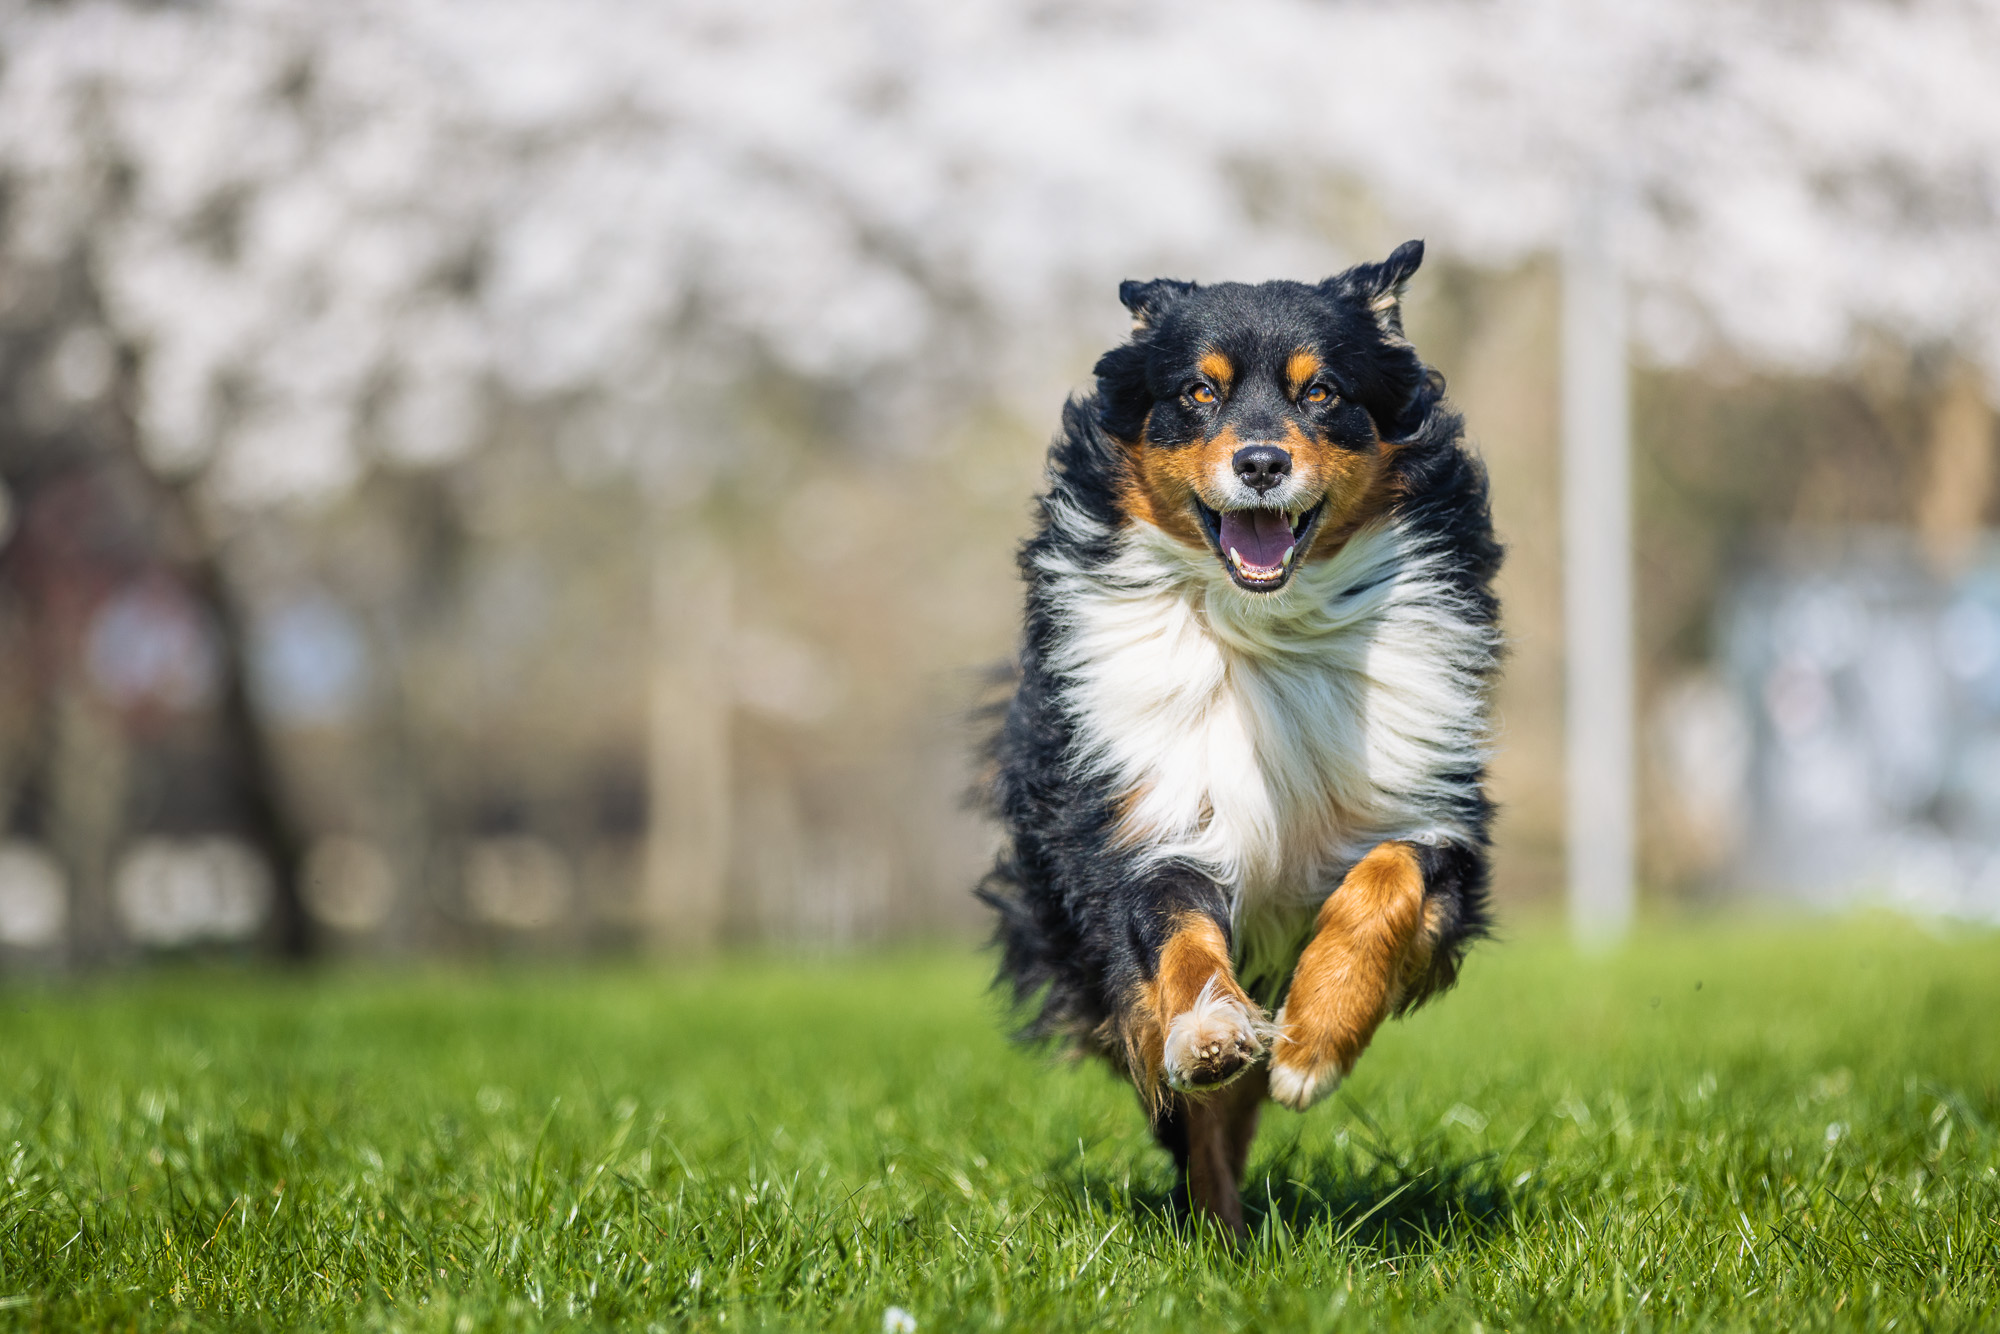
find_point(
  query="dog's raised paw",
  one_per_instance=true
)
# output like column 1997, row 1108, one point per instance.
column 1212, row 1041
column 1300, row 1076
column 1299, row 1087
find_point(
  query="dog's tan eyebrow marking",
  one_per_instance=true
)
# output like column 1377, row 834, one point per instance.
column 1216, row 367
column 1300, row 368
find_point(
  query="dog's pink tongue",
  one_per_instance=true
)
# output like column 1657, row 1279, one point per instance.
column 1259, row 536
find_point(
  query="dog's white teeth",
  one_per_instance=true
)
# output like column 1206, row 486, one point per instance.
column 1235, row 559
column 1287, row 560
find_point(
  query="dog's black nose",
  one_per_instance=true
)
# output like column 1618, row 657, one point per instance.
column 1262, row 466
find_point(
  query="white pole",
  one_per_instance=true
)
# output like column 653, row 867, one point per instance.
column 1597, row 580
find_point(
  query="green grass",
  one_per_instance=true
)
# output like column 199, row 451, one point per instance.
column 1771, row 1128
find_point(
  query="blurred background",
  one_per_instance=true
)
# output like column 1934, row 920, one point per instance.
column 543, row 475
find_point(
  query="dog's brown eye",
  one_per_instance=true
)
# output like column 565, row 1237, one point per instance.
column 1201, row 393
column 1319, row 393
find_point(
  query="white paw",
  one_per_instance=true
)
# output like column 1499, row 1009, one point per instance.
column 1296, row 1082
column 1299, row 1087
column 1212, row 1042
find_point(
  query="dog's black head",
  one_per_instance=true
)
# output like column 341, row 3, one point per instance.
column 1257, row 421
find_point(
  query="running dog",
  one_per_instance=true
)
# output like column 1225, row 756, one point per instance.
column 1240, row 776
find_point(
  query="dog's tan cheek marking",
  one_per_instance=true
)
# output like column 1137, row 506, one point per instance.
column 1315, row 465
column 1162, row 481
column 1351, row 482
column 1213, row 461
column 1361, row 956
column 1360, row 488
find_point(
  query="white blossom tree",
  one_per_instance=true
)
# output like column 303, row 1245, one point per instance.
column 337, row 234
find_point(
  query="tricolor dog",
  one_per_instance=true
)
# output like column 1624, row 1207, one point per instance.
column 1241, row 773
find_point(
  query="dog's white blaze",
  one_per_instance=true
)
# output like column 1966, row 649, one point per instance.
column 1227, row 486
column 1273, row 739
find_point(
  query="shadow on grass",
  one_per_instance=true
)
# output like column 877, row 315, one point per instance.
column 1392, row 1208
column 1367, row 1191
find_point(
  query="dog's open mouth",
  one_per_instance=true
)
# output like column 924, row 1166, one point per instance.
column 1260, row 548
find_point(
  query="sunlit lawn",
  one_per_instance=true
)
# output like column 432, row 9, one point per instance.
column 1775, row 1127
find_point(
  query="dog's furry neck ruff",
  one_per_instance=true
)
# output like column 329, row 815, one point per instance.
column 1271, row 740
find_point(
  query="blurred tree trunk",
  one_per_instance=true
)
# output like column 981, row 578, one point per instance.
column 246, row 741
column 691, row 706
column 1958, row 478
column 243, row 735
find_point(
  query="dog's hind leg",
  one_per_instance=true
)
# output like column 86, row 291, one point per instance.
column 1209, row 1135
column 1374, row 938
column 1244, row 1106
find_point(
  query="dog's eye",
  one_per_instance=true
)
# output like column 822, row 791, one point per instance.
column 1201, row 393
column 1319, row 393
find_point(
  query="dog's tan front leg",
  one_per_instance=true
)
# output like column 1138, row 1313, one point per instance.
column 1192, row 1027
column 1371, row 937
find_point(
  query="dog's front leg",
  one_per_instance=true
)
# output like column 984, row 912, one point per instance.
column 1189, row 1030
column 1371, row 940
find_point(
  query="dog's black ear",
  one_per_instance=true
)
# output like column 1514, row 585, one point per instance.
column 1380, row 286
column 1149, row 301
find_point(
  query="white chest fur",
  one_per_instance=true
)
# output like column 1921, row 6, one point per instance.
column 1272, row 740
